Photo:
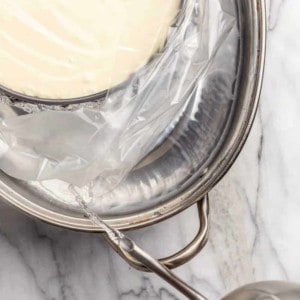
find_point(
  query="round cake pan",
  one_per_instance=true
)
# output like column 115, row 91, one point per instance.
column 81, row 99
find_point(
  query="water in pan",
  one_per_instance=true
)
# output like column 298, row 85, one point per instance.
column 187, row 147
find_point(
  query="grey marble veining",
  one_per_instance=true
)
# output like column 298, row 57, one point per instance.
column 254, row 212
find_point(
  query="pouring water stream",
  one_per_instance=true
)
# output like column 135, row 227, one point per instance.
column 125, row 247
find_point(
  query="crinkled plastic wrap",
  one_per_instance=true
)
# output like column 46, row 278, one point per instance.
column 102, row 141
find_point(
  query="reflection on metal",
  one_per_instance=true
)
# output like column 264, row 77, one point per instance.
column 185, row 254
column 269, row 290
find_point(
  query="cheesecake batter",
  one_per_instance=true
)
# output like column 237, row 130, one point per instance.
column 62, row 49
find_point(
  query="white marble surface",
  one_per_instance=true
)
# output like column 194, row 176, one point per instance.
column 255, row 212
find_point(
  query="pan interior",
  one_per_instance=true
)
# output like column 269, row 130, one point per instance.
column 190, row 152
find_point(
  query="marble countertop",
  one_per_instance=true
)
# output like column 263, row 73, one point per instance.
column 254, row 212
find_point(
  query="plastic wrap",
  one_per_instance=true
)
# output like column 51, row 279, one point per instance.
column 103, row 140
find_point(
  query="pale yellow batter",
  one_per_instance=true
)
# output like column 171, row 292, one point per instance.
column 61, row 49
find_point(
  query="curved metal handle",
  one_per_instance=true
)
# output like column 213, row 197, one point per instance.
column 190, row 251
column 131, row 250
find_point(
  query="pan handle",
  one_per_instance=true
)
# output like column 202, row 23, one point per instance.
column 191, row 250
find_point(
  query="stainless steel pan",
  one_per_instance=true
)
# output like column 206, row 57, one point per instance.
column 212, row 137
